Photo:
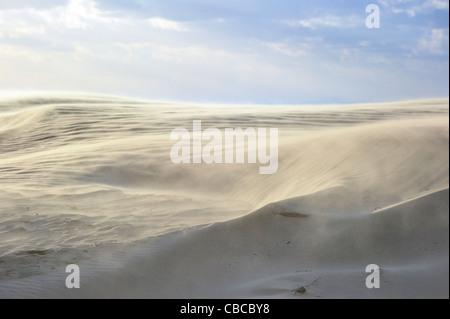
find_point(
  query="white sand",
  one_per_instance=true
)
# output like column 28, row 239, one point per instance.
column 89, row 181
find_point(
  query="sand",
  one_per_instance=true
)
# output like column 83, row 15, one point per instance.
column 88, row 180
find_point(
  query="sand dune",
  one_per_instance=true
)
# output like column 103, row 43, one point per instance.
column 88, row 180
column 275, row 251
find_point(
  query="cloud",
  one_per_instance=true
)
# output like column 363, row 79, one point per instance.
column 12, row 51
column 438, row 4
column 165, row 24
column 14, row 27
column 414, row 7
column 101, row 46
column 327, row 21
column 435, row 42
column 76, row 14
column 288, row 48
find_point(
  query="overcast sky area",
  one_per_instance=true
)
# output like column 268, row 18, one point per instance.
column 253, row 51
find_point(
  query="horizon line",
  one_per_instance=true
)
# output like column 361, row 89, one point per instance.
column 18, row 95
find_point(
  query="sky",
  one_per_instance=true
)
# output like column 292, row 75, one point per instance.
column 252, row 51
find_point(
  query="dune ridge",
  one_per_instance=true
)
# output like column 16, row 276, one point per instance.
column 88, row 180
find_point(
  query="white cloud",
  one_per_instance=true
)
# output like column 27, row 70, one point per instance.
column 435, row 42
column 13, row 27
column 414, row 7
column 11, row 51
column 327, row 21
column 79, row 13
column 18, row 23
column 165, row 24
column 288, row 50
column 438, row 4
column 76, row 14
column 176, row 54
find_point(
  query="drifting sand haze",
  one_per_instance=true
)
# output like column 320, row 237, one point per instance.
column 356, row 185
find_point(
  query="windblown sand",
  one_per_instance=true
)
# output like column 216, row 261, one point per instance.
column 89, row 181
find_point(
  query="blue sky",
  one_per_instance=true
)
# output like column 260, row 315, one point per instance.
column 263, row 51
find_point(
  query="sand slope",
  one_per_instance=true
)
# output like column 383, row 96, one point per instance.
column 275, row 251
column 89, row 181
